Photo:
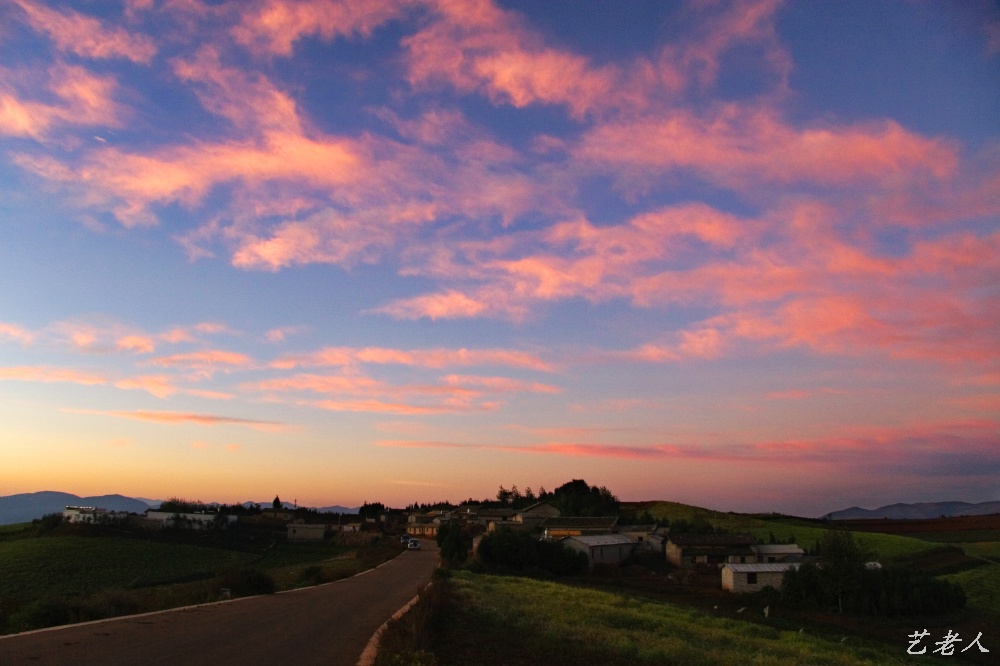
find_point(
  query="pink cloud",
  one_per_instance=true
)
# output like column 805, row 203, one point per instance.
column 139, row 344
column 282, row 333
column 499, row 384
column 16, row 333
column 175, row 418
column 922, row 449
column 86, row 36
column 743, row 147
column 380, row 407
column 478, row 47
column 49, row 374
column 273, row 26
column 157, row 385
column 83, row 99
column 205, row 363
column 427, row 358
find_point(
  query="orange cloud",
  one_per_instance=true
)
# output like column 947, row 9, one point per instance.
column 86, row 36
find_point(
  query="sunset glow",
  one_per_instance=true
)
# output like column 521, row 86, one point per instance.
column 743, row 255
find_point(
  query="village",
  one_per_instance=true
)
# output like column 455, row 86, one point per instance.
column 741, row 564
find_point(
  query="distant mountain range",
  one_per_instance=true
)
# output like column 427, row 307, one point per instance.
column 26, row 507
column 917, row 511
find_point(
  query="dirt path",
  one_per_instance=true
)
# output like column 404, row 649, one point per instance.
column 329, row 625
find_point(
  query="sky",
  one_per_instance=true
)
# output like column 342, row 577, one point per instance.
column 743, row 255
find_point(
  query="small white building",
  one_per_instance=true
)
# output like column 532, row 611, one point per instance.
column 749, row 578
column 601, row 548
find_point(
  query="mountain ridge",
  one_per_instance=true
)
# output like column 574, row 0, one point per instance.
column 917, row 511
column 25, row 507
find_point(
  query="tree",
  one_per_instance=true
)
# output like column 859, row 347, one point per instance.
column 843, row 565
column 504, row 496
column 276, row 503
column 454, row 546
column 577, row 498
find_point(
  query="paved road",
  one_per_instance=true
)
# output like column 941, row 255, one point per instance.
column 328, row 625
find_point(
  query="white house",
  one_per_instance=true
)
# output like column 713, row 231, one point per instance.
column 748, row 578
column 92, row 515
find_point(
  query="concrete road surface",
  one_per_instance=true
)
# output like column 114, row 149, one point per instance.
column 329, row 624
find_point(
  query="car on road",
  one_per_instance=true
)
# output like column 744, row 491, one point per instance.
column 405, row 539
column 413, row 545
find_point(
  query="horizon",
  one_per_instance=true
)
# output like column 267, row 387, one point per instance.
column 739, row 254
column 474, row 500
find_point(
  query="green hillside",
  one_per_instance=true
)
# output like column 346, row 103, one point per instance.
column 805, row 532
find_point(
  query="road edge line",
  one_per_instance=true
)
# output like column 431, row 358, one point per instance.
column 368, row 655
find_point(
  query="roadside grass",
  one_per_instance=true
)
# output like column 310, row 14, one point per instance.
column 508, row 620
column 783, row 528
column 981, row 585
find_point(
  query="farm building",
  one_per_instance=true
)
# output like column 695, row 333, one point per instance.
column 641, row 535
column 689, row 550
column 556, row 528
column 777, row 552
column 191, row 521
column 601, row 548
column 747, row 578
column 304, row 532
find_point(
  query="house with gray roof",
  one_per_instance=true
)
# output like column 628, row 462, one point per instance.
column 611, row 549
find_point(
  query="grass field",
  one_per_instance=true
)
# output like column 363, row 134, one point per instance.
column 48, row 580
column 981, row 585
column 35, row 568
column 989, row 550
column 559, row 624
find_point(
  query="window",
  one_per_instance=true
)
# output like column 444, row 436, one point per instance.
column 752, row 578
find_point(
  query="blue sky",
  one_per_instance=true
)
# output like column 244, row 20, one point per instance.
column 737, row 254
